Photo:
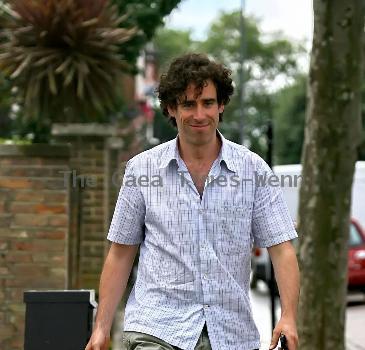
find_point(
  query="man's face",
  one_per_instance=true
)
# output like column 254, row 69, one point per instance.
column 197, row 117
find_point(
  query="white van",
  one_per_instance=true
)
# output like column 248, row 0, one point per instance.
column 290, row 180
column 291, row 190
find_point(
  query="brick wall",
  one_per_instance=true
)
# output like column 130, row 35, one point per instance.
column 34, row 225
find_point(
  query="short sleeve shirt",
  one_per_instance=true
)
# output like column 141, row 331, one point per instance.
column 195, row 252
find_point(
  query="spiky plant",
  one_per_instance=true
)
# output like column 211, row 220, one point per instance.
column 62, row 56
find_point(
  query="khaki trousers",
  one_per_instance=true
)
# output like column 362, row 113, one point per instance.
column 142, row 341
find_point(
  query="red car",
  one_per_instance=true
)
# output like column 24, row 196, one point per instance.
column 356, row 260
column 356, row 257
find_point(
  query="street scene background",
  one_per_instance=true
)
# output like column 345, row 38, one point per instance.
column 77, row 101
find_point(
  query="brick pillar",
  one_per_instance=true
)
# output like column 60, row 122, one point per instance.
column 98, row 155
column 33, row 230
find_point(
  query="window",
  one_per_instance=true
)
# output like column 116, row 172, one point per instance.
column 355, row 236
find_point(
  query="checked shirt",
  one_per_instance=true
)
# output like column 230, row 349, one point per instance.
column 195, row 253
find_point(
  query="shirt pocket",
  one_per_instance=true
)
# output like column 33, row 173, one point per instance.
column 233, row 229
column 175, row 272
column 166, row 267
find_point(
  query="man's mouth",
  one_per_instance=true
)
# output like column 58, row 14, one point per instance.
column 199, row 126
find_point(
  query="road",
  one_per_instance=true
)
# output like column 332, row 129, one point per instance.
column 355, row 317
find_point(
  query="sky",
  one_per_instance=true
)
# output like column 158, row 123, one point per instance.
column 293, row 17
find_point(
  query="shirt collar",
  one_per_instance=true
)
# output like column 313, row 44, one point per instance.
column 225, row 154
column 172, row 153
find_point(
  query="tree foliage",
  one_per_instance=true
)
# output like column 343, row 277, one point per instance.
column 62, row 57
column 170, row 43
column 289, row 118
column 265, row 59
column 147, row 15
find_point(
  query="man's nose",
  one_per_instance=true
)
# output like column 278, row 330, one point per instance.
column 199, row 112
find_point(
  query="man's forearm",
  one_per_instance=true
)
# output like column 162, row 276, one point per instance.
column 113, row 281
column 287, row 276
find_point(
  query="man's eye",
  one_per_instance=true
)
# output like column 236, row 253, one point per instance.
column 187, row 105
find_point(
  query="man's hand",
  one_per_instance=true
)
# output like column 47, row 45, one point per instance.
column 99, row 340
column 288, row 328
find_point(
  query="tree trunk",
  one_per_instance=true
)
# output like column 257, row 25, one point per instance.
column 332, row 135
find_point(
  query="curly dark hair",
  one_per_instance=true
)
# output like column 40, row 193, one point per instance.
column 193, row 68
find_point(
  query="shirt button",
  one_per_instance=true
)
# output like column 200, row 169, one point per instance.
column 205, row 277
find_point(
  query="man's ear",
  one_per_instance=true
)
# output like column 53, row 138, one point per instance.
column 221, row 108
column 172, row 112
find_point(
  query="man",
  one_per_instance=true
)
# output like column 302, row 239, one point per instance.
column 195, row 209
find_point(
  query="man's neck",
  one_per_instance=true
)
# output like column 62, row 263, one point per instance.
column 194, row 154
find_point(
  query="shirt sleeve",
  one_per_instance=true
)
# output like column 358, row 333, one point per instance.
column 271, row 220
column 127, row 226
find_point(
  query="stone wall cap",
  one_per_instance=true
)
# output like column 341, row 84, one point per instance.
column 79, row 129
column 36, row 150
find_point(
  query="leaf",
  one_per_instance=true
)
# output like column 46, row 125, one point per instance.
column 42, row 61
column 64, row 65
column 21, row 67
column 89, row 22
column 51, row 80
column 69, row 76
column 94, row 98
column 80, row 84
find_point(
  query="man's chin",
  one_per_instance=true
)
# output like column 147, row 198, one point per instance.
column 199, row 139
